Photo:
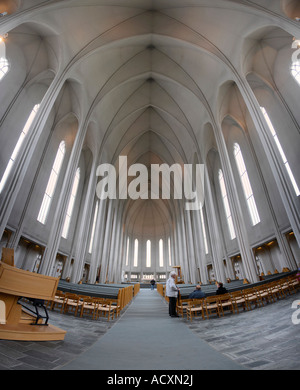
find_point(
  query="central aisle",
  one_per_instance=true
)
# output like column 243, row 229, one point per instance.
column 146, row 338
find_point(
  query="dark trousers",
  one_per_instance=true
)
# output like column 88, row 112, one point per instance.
column 172, row 306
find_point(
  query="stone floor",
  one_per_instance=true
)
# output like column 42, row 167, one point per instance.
column 262, row 339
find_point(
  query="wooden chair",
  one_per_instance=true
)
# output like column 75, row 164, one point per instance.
column 292, row 285
column 212, row 305
column 238, row 299
column 252, row 297
column 295, row 281
column 72, row 303
column 89, row 306
column 116, row 305
column 225, row 302
column 194, row 308
column 182, row 306
column 264, row 293
column 59, row 300
column 106, row 309
column 276, row 290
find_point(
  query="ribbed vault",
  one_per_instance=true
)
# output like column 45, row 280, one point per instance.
column 151, row 80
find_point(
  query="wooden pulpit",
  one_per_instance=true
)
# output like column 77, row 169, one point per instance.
column 15, row 324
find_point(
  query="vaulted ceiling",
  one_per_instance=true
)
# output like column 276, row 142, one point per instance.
column 147, row 75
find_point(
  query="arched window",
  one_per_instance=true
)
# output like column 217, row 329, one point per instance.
column 127, row 252
column 282, row 154
column 4, row 64
column 204, row 231
column 246, row 184
column 295, row 70
column 93, row 227
column 71, row 204
column 50, row 189
column 18, row 146
column 148, row 258
column 136, row 252
column 169, row 248
column 226, row 205
column 161, row 253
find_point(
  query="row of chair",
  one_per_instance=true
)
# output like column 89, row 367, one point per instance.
column 84, row 305
column 248, row 299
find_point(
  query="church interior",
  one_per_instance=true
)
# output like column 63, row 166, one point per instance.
column 96, row 90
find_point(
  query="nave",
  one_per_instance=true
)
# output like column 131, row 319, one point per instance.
column 144, row 337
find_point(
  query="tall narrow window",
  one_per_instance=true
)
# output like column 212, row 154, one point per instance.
column 127, row 252
column 169, row 248
column 136, row 253
column 161, row 253
column 4, row 64
column 295, row 70
column 226, row 205
column 282, row 154
column 204, row 231
column 50, row 189
column 93, row 227
column 18, row 146
column 148, row 258
column 246, row 184
column 71, row 204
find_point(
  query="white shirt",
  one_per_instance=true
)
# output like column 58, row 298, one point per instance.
column 171, row 288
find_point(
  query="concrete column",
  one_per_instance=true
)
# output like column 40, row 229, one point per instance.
column 82, row 234
column 106, row 244
column 215, row 231
column 98, row 241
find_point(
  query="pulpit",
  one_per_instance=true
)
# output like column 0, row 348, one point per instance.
column 15, row 322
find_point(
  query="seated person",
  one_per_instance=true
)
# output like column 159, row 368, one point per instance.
column 197, row 294
column 221, row 290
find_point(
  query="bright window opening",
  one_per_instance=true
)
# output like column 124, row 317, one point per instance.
column 226, row 205
column 161, row 253
column 148, row 258
column 93, row 227
column 204, row 231
column 127, row 252
column 295, row 70
column 71, row 204
column 282, row 154
column 246, row 185
column 50, row 189
column 4, row 64
column 18, row 146
column 170, row 255
column 136, row 252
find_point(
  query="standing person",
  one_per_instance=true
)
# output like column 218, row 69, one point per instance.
column 152, row 284
column 172, row 294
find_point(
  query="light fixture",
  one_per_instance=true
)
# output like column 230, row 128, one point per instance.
column 297, row 42
column 2, row 37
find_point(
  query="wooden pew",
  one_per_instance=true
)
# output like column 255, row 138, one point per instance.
column 17, row 324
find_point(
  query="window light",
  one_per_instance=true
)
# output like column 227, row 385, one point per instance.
column 226, row 205
column 18, row 146
column 282, row 154
column 246, row 185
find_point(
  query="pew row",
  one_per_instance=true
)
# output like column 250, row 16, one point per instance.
column 97, row 300
column 247, row 298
